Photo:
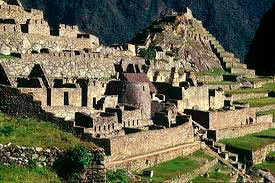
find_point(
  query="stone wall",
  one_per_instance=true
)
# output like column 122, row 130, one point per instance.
column 58, row 94
column 235, row 132
column 194, row 97
column 39, row 27
column 11, row 154
column 248, row 96
column 148, row 160
column 216, row 99
column 150, row 141
column 265, row 118
column 19, row 14
column 232, row 118
column 259, row 156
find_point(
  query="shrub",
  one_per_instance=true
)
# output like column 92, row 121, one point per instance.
column 73, row 162
column 149, row 54
column 118, row 176
column 6, row 131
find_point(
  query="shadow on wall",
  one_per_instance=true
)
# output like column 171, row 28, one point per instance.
column 261, row 52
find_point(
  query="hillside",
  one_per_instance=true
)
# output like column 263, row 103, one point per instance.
column 233, row 22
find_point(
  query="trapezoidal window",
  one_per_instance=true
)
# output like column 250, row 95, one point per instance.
column 66, row 98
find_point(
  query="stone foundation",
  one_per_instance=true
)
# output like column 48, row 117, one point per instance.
column 235, row 132
column 148, row 160
column 260, row 155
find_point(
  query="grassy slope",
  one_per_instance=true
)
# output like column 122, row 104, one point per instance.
column 13, row 174
column 267, row 87
column 29, row 132
column 252, row 141
column 259, row 102
column 6, row 57
column 179, row 166
column 214, row 175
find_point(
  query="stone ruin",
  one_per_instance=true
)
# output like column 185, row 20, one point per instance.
column 114, row 97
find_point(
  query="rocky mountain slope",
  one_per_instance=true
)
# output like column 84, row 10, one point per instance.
column 233, row 22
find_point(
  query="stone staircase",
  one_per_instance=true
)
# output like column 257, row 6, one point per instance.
column 219, row 151
column 227, row 158
column 229, row 62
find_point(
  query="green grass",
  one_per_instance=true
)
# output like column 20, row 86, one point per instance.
column 215, row 72
column 272, row 111
column 14, row 174
column 260, row 79
column 220, row 83
column 264, row 89
column 252, row 142
column 6, row 57
column 259, row 102
column 33, row 133
column 181, row 165
column 214, row 175
column 270, row 166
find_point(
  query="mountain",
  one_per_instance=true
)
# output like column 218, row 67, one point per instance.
column 233, row 22
column 260, row 56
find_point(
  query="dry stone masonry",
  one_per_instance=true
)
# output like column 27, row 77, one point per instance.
column 142, row 111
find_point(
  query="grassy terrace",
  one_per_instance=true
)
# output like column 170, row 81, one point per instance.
column 6, row 57
column 181, row 165
column 260, row 79
column 219, row 173
column 260, row 102
column 33, row 133
column 252, row 142
column 266, row 88
column 221, row 83
column 13, row 174
column 272, row 111
column 215, row 72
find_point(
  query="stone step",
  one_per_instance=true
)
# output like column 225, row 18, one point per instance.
column 241, row 71
column 233, row 157
column 220, row 146
column 224, row 155
column 209, row 142
column 226, row 54
column 237, row 165
column 235, row 64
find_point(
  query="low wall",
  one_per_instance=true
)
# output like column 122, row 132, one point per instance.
column 265, row 108
column 190, row 175
column 260, row 155
column 25, row 156
column 148, row 160
column 150, row 141
column 249, row 96
column 241, row 131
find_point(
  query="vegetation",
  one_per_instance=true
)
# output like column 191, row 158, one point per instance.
column 6, row 57
column 272, row 111
column 73, row 163
column 269, row 164
column 149, row 54
column 178, row 166
column 215, row 72
column 118, row 176
column 260, row 79
column 258, row 102
column 221, row 83
column 15, row 174
column 264, row 89
column 219, row 173
column 253, row 141
column 33, row 133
